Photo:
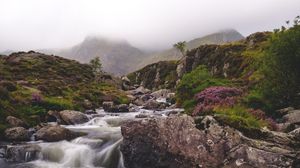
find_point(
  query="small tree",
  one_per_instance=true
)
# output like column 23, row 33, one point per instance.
column 96, row 65
column 181, row 46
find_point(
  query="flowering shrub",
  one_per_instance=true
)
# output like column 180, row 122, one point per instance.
column 215, row 96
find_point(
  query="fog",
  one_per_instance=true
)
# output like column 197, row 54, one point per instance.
column 147, row 24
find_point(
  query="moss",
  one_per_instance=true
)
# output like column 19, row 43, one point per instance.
column 238, row 117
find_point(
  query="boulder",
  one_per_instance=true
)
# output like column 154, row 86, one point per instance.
column 22, row 153
column 153, row 104
column 53, row 116
column 17, row 134
column 123, row 108
column 54, row 133
column 293, row 117
column 177, row 141
column 16, row 122
column 163, row 93
column 73, row 117
column 295, row 133
column 285, row 110
column 109, row 106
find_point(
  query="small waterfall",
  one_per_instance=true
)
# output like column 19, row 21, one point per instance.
column 107, row 157
column 65, row 154
column 100, row 148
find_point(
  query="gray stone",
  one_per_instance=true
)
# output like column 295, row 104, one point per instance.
column 73, row 117
column 293, row 117
column 177, row 142
column 16, row 122
column 55, row 133
column 22, row 153
column 17, row 134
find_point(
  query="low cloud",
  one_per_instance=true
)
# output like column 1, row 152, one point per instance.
column 155, row 24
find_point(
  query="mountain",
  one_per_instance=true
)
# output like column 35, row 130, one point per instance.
column 221, row 37
column 117, row 57
column 6, row 52
column 120, row 58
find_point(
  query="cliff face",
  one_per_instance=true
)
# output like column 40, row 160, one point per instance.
column 156, row 76
column 229, row 60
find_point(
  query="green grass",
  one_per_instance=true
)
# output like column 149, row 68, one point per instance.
column 193, row 83
column 239, row 117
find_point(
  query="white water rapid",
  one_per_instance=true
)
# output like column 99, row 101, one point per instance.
column 99, row 148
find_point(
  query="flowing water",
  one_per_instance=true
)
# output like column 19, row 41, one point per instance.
column 99, row 148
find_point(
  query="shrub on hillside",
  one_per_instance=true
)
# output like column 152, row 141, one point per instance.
column 281, row 67
column 211, row 97
column 193, row 83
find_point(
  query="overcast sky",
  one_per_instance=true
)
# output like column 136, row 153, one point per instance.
column 35, row 24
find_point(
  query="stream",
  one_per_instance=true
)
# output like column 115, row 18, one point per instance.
column 99, row 148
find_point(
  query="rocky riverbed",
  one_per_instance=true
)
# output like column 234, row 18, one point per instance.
column 148, row 133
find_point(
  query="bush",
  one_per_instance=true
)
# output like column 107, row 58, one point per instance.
column 215, row 96
column 195, row 82
column 281, row 68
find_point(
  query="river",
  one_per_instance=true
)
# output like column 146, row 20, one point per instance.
column 100, row 147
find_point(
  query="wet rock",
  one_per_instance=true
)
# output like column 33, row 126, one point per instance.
column 90, row 112
column 17, row 134
column 109, row 106
column 73, row 117
column 22, row 153
column 162, row 93
column 123, row 108
column 52, row 133
column 142, row 116
column 16, row 122
column 176, row 142
column 53, row 116
column 133, row 108
column 152, row 104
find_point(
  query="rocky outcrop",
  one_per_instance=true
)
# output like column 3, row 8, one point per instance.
column 15, row 122
column 291, row 119
column 17, row 134
column 225, row 60
column 55, row 133
column 73, row 117
column 156, row 76
column 179, row 142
